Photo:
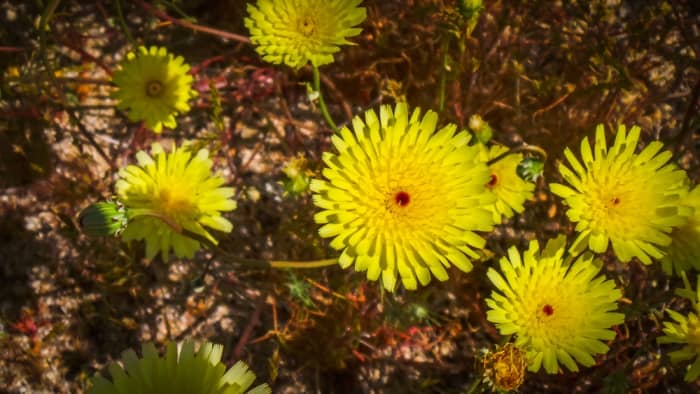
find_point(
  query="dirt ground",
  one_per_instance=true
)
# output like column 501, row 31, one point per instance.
column 541, row 72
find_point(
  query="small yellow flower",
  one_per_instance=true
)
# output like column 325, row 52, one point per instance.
column 559, row 311
column 511, row 191
column 154, row 86
column 685, row 330
column 180, row 371
column 620, row 197
column 683, row 254
column 297, row 32
column 403, row 198
column 171, row 191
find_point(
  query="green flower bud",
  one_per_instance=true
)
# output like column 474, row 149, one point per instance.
column 530, row 169
column 103, row 218
column 297, row 179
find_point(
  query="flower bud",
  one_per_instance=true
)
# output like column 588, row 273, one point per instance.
column 103, row 218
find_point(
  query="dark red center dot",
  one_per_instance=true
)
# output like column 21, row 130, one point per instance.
column 402, row 199
column 615, row 201
column 548, row 310
column 493, row 180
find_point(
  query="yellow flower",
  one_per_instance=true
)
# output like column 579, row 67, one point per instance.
column 297, row 32
column 620, row 197
column 172, row 191
column 683, row 254
column 154, row 86
column 559, row 311
column 181, row 371
column 685, row 330
column 511, row 191
column 401, row 197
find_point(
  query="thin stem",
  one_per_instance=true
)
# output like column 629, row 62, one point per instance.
column 259, row 263
column 443, row 75
column 122, row 22
column 525, row 148
column 321, row 101
column 474, row 387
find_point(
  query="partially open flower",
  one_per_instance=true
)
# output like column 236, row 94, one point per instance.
column 168, row 192
column 510, row 190
column 683, row 254
column 297, row 32
column 103, row 218
column 685, row 330
column 180, row 371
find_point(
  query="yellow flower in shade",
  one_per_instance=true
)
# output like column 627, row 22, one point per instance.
column 685, row 330
column 180, row 371
column 683, row 254
column 617, row 196
column 504, row 369
column 559, row 311
column 154, row 86
column 511, row 191
column 301, row 31
column 166, row 192
column 403, row 198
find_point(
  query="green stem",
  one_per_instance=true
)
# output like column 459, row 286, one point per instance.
column 443, row 74
column 122, row 22
column 525, row 148
column 259, row 263
column 321, row 101
column 474, row 387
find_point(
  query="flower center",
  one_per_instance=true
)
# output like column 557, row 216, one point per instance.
column 307, row 26
column 154, row 88
column 402, row 198
column 174, row 203
column 493, row 180
column 548, row 310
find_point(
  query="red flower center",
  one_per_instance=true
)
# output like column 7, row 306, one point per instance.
column 493, row 180
column 548, row 310
column 402, row 199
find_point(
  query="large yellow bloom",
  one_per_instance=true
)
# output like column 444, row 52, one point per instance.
column 683, row 254
column 154, row 86
column 403, row 198
column 511, row 191
column 620, row 197
column 295, row 32
column 172, row 191
column 685, row 330
column 180, row 371
column 559, row 311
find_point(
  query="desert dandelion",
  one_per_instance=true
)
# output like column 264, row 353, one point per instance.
column 168, row 192
column 619, row 197
column 153, row 86
column 402, row 198
column 560, row 312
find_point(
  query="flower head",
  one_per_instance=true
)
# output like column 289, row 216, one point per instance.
column 617, row 196
column 683, row 254
column 154, row 86
column 181, row 371
column 685, row 330
column 510, row 190
column 559, row 311
column 401, row 197
column 167, row 192
column 297, row 32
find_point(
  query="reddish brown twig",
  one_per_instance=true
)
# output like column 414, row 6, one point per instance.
column 204, row 29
